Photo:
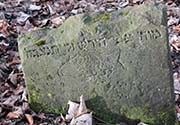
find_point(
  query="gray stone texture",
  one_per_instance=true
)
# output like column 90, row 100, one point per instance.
column 119, row 61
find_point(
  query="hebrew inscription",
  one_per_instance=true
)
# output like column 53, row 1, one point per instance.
column 152, row 34
column 83, row 43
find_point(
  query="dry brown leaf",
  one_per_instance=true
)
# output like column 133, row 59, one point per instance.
column 25, row 106
column 57, row 21
column 42, row 116
column 14, row 61
column 12, row 115
column 30, row 119
column 176, row 45
column 4, row 28
column 169, row 2
column 18, row 110
column 177, row 29
column 24, row 96
column 13, row 78
column 19, row 89
column 11, row 100
column 63, row 119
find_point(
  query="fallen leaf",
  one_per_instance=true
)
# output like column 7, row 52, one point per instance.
column 51, row 10
column 19, row 90
column 11, row 100
column 12, row 115
column 123, row 4
column 34, row 7
column 57, row 21
column 24, row 96
column 13, row 78
column 4, row 28
column 177, row 29
column 18, row 110
column 172, row 21
column 30, row 119
column 176, row 45
column 22, row 18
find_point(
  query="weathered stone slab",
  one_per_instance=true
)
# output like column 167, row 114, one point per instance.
column 118, row 60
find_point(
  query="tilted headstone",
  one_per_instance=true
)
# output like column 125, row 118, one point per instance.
column 119, row 61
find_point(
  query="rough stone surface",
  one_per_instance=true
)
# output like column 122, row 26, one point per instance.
column 119, row 61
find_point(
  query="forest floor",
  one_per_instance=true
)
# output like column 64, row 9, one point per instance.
column 20, row 16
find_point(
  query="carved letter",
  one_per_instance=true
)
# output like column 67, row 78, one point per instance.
column 127, row 37
column 157, row 34
column 54, row 49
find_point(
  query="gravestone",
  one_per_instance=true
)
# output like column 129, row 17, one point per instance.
column 119, row 61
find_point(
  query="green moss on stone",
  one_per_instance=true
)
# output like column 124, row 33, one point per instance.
column 40, row 42
column 87, row 19
column 105, row 117
column 165, row 117
column 28, row 36
column 177, row 123
column 37, row 105
column 62, row 31
column 137, row 113
column 127, row 113
column 104, row 17
column 42, row 107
